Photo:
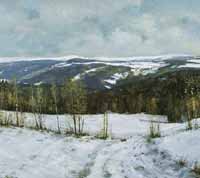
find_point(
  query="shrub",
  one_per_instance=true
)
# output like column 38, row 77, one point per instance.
column 182, row 162
column 154, row 131
column 196, row 168
column 5, row 119
column 104, row 131
column 196, row 125
column 9, row 177
column 192, row 125
column 189, row 124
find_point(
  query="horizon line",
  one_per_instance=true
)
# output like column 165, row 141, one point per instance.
column 68, row 57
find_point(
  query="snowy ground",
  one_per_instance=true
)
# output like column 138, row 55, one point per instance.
column 26, row 153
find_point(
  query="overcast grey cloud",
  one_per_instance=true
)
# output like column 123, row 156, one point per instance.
column 113, row 28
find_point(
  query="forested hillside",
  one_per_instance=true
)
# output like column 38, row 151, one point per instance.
column 175, row 94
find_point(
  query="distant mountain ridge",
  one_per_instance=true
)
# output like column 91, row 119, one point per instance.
column 97, row 74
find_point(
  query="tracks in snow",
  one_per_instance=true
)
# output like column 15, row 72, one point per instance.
column 88, row 169
column 134, row 158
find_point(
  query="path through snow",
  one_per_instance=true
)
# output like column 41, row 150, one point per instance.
column 134, row 158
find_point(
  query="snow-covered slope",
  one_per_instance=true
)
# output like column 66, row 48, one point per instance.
column 96, row 73
column 28, row 154
column 31, row 154
column 184, row 145
column 69, row 57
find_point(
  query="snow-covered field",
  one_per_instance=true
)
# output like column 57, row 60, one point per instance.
column 26, row 153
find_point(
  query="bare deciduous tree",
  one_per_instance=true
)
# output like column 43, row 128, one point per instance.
column 54, row 95
column 76, row 104
column 39, row 99
column 15, row 101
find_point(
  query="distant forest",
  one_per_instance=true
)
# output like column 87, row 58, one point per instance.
column 176, row 95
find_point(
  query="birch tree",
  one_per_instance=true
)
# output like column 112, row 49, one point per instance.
column 55, row 103
column 39, row 98
column 33, row 104
column 76, row 104
column 15, row 101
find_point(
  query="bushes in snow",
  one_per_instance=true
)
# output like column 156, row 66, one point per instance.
column 8, row 119
column 5, row 120
column 104, row 132
column 154, row 131
column 192, row 124
column 196, row 169
column 182, row 162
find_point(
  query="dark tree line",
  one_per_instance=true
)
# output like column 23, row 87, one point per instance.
column 176, row 95
column 50, row 99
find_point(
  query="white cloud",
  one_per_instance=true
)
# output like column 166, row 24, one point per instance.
column 97, row 28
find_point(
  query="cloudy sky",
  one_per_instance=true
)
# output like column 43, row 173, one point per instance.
column 113, row 28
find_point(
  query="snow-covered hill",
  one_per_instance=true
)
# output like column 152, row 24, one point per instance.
column 96, row 73
column 27, row 153
column 69, row 57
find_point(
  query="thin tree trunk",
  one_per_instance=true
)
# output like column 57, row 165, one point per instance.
column 82, row 125
column 56, row 109
column 17, row 116
column 58, row 124
column 74, row 119
column 79, row 124
column 106, row 125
